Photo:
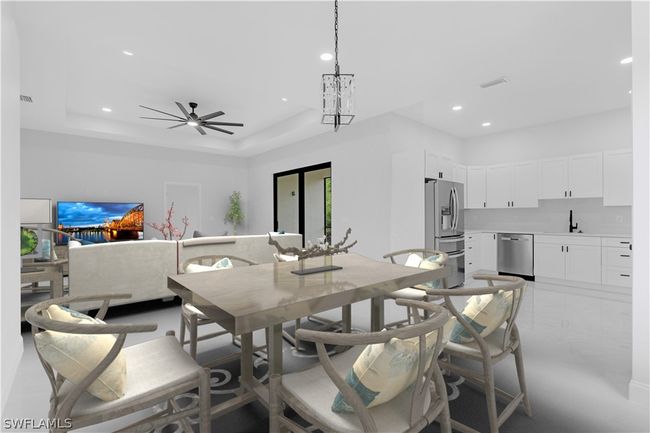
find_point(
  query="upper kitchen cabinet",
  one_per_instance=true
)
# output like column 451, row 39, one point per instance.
column 512, row 185
column 553, row 178
column 524, row 184
column 460, row 174
column 498, row 186
column 577, row 176
column 586, row 175
column 617, row 174
column 475, row 188
column 439, row 167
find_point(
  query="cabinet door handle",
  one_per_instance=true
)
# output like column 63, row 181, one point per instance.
column 624, row 243
column 483, row 204
column 565, row 193
column 570, row 193
column 562, row 248
column 624, row 275
column 567, row 248
column 625, row 255
column 494, row 235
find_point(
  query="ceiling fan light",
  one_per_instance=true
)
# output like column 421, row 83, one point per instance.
column 192, row 123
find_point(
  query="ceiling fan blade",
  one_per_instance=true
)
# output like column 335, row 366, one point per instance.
column 159, row 118
column 169, row 114
column 224, row 123
column 212, row 115
column 187, row 115
column 198, row 128
column 176, row 126
column 218, row 129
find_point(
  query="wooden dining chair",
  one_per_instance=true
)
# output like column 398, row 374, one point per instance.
column 192, row 317
column 311, row 392
column 488, row 350
column 418, row 292
column 157, row 371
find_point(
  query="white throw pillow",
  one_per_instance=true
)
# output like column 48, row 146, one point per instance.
column 224, row 263
column 76, row 355
column 484, row 313
column 384, row 370
column 413, row 260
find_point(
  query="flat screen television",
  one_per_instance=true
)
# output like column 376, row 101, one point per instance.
column 99, row 222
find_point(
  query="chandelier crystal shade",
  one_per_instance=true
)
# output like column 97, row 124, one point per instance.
column 338, row 89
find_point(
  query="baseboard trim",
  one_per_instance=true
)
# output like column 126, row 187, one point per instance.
column 10, row 362
column 639, row 392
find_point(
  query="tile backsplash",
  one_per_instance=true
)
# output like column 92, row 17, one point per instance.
column 553, row 216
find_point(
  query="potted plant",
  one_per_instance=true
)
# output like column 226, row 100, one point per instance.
column 235, row 214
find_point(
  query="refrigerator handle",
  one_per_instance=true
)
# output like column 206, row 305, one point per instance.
column 456, row 208
column 453, row 208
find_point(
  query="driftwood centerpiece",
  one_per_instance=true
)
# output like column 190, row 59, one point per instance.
column 315, row 251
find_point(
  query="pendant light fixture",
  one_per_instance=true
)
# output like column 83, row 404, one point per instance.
column 338, row 89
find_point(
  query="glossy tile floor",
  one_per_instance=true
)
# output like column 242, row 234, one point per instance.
column 577, row 351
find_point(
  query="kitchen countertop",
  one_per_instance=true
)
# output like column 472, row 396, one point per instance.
column 532, row 232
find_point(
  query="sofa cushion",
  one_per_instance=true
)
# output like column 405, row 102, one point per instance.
column 76, row 355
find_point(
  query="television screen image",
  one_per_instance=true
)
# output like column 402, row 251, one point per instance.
column 99, row 222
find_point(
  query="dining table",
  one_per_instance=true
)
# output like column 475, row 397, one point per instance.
column 249, row 298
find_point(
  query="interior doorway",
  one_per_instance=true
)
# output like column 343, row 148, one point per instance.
column 302, row 202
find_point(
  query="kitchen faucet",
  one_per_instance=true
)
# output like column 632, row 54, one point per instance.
column 572, row 226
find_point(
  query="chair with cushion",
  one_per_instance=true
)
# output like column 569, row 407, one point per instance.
column 417, row 258
column 95, row 379
column 393, row 384
column 486, row 332
column 192, row 317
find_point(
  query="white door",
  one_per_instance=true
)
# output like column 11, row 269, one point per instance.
column 549, row 260
column 583, row 263
column 553, row 178
column 498, row 186
column 586, row 175
column 475, row 187
column 617, row 178
column 524, row 184
column 489, row 251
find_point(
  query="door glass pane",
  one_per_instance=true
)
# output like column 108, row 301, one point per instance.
column 287, row 203
column 315, row 208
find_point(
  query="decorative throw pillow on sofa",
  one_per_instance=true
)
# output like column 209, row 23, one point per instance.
column 384, row 371
column 224, row 263
column 76, row 355
column 485, row 313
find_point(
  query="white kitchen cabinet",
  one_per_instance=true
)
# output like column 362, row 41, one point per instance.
column 460, row 176
column 472, row 253
column 617, row 262
column 583, row 263
column 617, row 178
column 586, row 175
column 573, row 258
column 524, row 184
column 498, row 186
column 553, row 178
column 488, row 252
column 439, row 167
column 475, row 188
column 549, row 260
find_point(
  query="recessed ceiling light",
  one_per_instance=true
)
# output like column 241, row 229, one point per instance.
column 192, row 123
column 629, row 91
column 284, row 99
column 326, row 57
column 457, row 107
column 127, row 53
column 106, row 109
column 626, row 60
column 486, row 123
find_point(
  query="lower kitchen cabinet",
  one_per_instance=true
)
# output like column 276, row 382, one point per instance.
column 570, row 258
column 617, row 262
column 489, row 251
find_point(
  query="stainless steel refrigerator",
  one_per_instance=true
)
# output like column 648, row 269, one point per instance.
column 444, row 228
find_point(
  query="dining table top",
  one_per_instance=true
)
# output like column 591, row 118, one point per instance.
column 247, row 298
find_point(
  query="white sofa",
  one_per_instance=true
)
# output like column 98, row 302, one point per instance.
column 141, row 267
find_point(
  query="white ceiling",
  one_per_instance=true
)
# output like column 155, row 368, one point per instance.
column 417, row 59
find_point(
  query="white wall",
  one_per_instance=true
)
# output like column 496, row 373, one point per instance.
column 639, row 383
column 382, row 201
column 69, row 167
column 610, row 130
column 11, row 341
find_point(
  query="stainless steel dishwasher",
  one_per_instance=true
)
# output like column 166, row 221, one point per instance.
column 515, row 254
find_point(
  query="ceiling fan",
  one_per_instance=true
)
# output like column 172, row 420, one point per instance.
column 193, row 119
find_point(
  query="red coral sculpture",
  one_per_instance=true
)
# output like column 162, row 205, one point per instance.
column 167, row 228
